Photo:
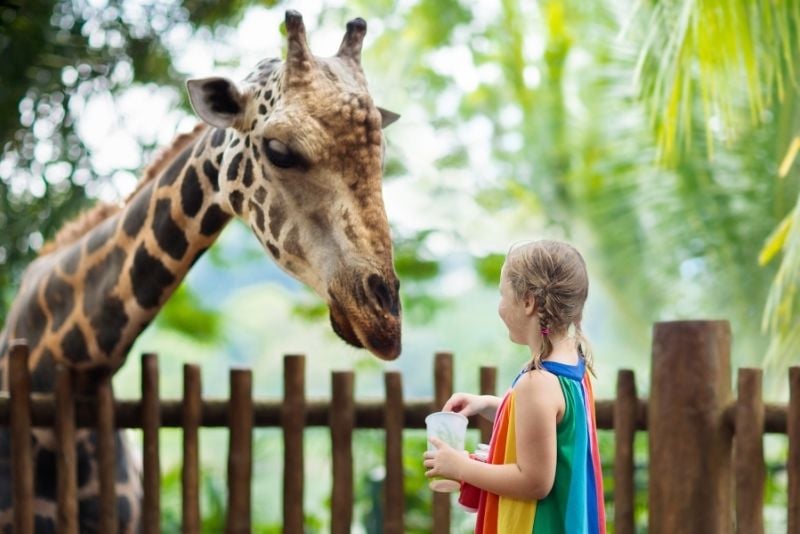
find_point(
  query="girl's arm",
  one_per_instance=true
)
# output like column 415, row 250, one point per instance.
column 538, row 403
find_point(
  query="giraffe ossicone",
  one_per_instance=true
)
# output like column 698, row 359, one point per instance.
column 296, row 151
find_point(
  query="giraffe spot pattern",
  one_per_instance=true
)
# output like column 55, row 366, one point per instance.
column 32, row 322
column 168, row 234
column 60, row 299
column 43, row 377
column 74, row 346
column 255, row 208
column 247, row 179
column 175, row 169
column 261, row 195
column 149, row 278
column 277, row 216
column 191, row 193
column 236, row 199
column 101, row 280
column 136, row 213
column 212, row 173
column 292, row 244
column 233, row 168
column 100, row 235
column 262, row 109
column 213, row 220
column 218, row 137
column 109, row 323
column 69, row 262
column 274, row 250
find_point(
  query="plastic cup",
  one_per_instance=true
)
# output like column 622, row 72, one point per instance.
column 451, row 428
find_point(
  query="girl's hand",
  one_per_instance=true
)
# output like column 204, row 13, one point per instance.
column 465, row 403
column 445, row 461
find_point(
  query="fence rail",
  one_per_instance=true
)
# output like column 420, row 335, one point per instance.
column 738, row 424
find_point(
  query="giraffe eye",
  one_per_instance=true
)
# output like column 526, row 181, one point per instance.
column 279, row 154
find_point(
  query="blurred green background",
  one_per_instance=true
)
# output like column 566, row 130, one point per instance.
column 657, row 136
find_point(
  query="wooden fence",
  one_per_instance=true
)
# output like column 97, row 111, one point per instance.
column 706, row 451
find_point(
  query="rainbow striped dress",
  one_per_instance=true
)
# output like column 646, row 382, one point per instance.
column 575, row 504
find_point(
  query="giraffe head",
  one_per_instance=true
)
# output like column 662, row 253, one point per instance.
column 300, row 149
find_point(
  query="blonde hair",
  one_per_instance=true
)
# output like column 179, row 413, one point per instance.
column 554, row 273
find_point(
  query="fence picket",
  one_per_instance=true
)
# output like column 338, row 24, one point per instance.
column 151, row 421
column 293, row 421
column 240, row 451
column 748, row 455
column 192, row 408
column 443, row 388
column 394, row 496
column 19, row 383
column 793, row 463
column 106, row 454
column 66, row 467
column 342, row 420
column 625, row 408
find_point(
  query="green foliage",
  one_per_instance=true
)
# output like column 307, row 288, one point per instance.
column 488, row 268
column 184, row 313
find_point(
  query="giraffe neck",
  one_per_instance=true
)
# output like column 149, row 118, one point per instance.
column 86, row 303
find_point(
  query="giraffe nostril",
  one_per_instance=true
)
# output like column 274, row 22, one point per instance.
column 384, row 296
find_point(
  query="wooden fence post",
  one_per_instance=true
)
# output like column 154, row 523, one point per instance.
column 748, row 453
column 690, row 446
column 67, row 485
column 443, row 385
column 151, row 422
column 394, row 497
column 191, row 415
column 106, row 453
column 293, row 420
column 240, row 451
column 19, row 381
column 625, row 409
column 342, row 421
column 793, row 464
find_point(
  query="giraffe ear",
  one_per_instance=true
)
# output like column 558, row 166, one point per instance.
column 387, row 117
column 216, row 100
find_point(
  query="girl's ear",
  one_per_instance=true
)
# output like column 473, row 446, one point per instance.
column 530, row 304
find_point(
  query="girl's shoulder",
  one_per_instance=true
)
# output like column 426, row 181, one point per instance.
column 540, row 388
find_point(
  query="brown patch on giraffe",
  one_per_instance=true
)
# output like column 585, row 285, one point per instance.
column 59, row 297
column 259, row 213
column 149, row 278
column 277, row 217
column 84, row 222
column 106, row 312
column 292, row 244
column 168, row 233
column 73, row 346
column 260, row 195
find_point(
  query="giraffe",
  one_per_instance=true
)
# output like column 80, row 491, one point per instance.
column 295, row 151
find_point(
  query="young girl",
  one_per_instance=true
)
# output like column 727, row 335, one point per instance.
column 543, row 471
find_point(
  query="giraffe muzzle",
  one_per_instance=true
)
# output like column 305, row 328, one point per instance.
column 368, row 316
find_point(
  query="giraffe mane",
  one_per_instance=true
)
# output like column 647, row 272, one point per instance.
column 86, row 220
